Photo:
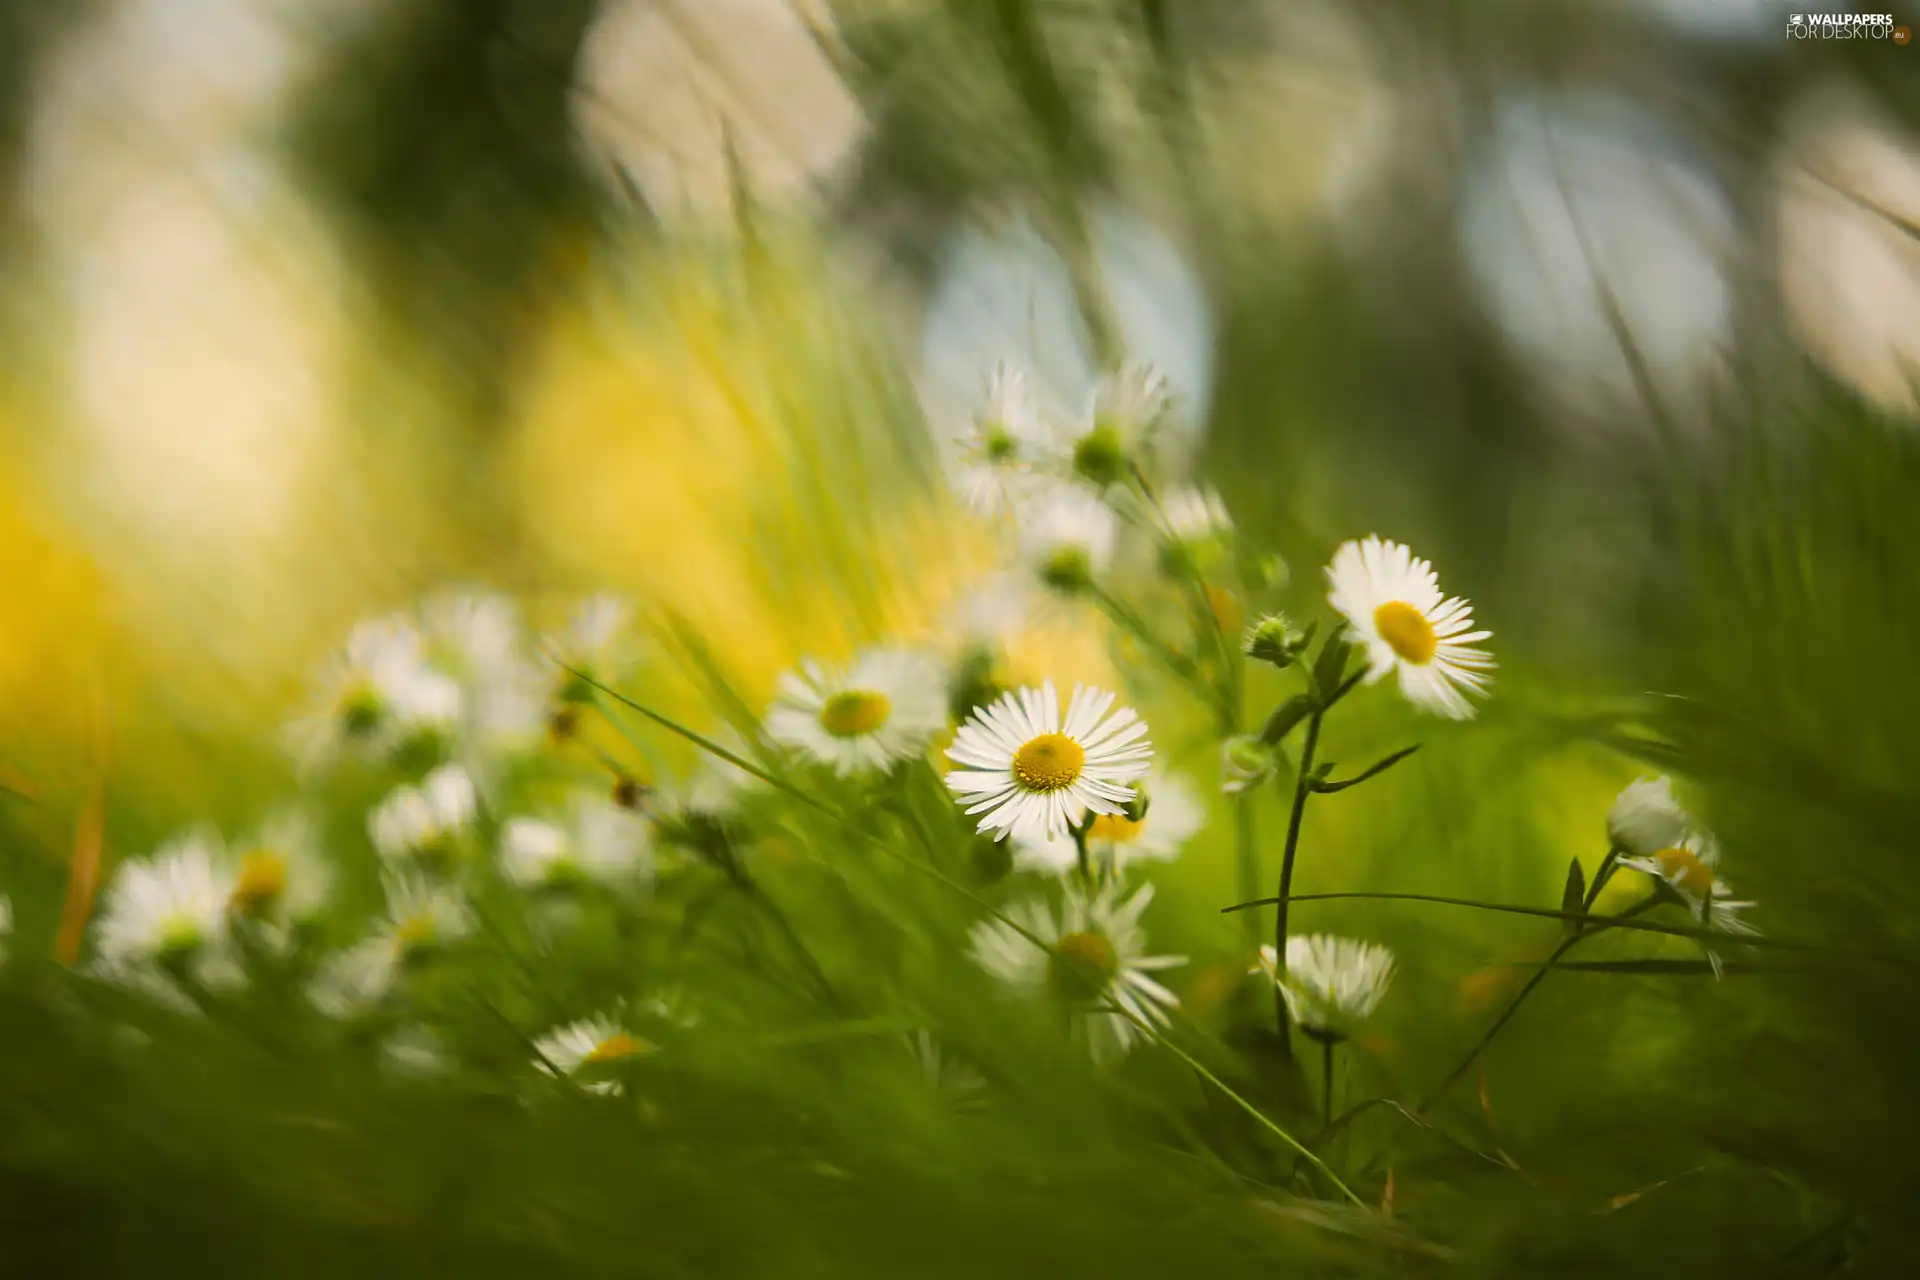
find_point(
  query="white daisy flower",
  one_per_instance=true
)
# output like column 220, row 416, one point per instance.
column 426, row 822
column 1330, row 984
column 599, row 642
column 1066, row 539
column 1193, row 517
column 885, row 707
column 588, row 1050
column 1094, row 963
column 374, row 695
column 417, row 1052
column 1645, row 818
column 1035, row 775
column 945, row 1072
column 996, row 457
column 1391, row 599
column 597, row 840
column 471, row 634
column 1130, row 408
column 171, row 906
column 1691, row 871
column 281, row 873
column 1115, row 841
column 420, row 918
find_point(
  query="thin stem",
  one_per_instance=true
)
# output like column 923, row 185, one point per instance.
column 1326, row 1102
column 1601, row 876
column 1291, row 1141
column 1302, row 788
column 1566, row 944
column 1080, row 855
column 1721, row 936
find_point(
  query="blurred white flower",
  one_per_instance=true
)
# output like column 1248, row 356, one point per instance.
column 1115, row 842
column 172, row 906
column 1194, row 529
column 1125, row 427
column 680, row 97
column 1849, row 271
column 1691, row 872
column 1645, row 818
column 374, row 695
column 997, row 454
column 1034, row 775
column 596, row 840
column 1391, row 599
column 599, row 643
column 1066, row 539
column 884, row 707
column 420, row 918
column 943, row 1070
column 416, row 1051
column 476, row 638
column 1330, row 984
column 425, row 823
column 279, row 873
column 1093, row 961
column 1578, row 204
column 351, row 982
column 588, row 1052
column 1005, row 283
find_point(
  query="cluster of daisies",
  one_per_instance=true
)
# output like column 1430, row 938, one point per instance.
column 457, row 712
column 472, row 728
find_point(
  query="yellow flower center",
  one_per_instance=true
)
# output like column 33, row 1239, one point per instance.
column 1406, row 631
column 1117, row 827
column 855, row 712
column 614, row 1048
column 415, row 931
column 1050, row 762
column 261, row 880
column 1683, row 869
column 1082, row 965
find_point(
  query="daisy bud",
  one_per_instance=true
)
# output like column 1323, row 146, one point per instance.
column 1136, row 806
column 1247, row 763
column 1276, row 640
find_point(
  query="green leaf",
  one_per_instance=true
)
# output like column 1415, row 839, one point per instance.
column 1325, row 788
column 1573, row 898
column 1330, row 668
column 1285, row 717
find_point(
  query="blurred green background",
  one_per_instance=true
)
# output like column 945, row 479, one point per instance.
column 1611, row 308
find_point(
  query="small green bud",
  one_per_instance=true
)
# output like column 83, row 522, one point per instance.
column 1276, row 640
column 1100, row 457
column 1069, row 570
column 1136, row 809
column 1247, row 762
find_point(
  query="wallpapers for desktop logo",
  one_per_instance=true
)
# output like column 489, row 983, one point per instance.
column 1846, row 26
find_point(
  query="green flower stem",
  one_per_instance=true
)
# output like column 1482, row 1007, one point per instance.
column 1302, row 788
column 1326, row 1101
column 1601, row 876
